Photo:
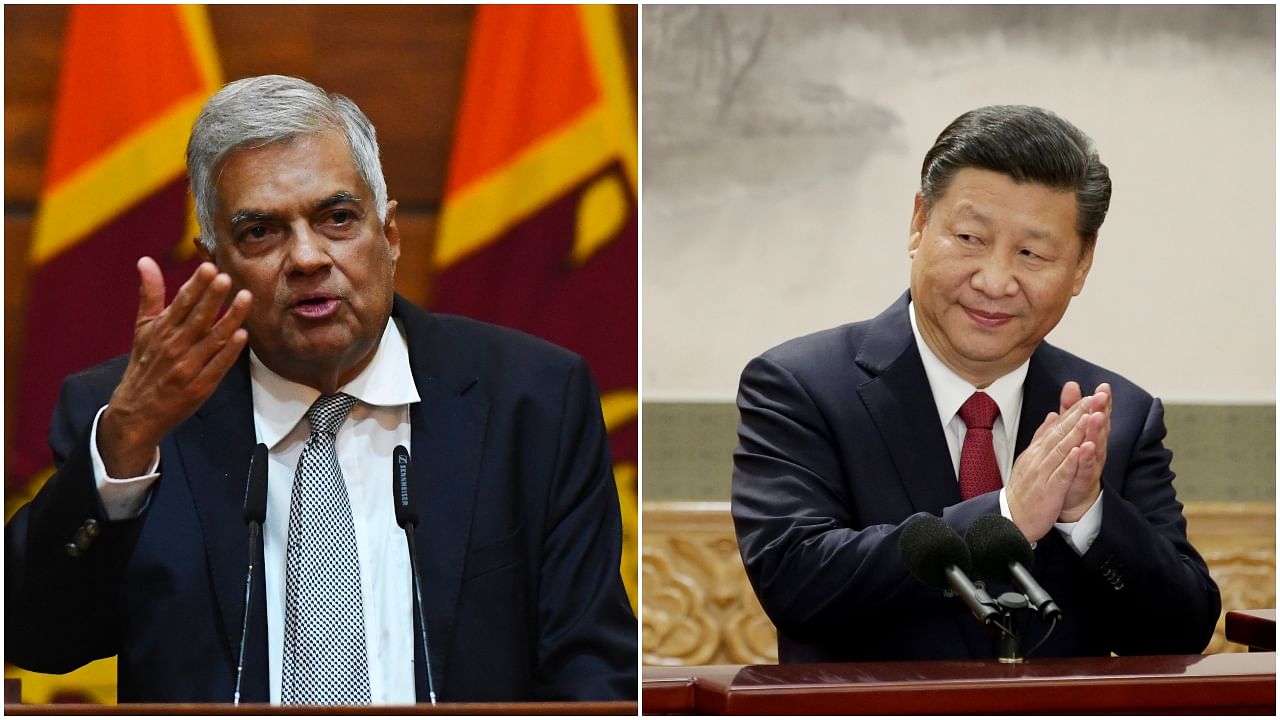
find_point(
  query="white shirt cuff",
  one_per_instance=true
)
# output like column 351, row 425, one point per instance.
column 123, row 498
column 1004, row 510
column 1081, row 534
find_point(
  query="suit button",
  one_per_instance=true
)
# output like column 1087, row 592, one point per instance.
column 84, row 536
column 73, row 550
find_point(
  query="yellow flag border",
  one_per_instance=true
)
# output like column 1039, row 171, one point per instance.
column 136, row 166
column 478, row 214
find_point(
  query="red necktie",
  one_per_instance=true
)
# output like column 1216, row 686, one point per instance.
column 979, row 471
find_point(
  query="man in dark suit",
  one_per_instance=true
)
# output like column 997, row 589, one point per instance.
column 137, row 546
column 848, row 435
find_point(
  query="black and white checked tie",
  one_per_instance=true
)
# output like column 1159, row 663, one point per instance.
column 324, row 649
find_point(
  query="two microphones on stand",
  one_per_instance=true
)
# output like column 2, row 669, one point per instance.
column 255, row 515
column 992, row 548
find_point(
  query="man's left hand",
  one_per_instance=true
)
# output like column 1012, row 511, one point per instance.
column 1087, row 483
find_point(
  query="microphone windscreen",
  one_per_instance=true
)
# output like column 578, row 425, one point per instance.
column 929, row 546
column 255, row 492
column 994, row 542
column 400, row 488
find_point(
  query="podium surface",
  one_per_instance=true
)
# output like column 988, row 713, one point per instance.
column 520, row 708
column 1231, row 683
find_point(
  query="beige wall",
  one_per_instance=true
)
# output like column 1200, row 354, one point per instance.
column 782, row 148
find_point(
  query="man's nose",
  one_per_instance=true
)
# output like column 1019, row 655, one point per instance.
column 995, row 276
column 309, row 250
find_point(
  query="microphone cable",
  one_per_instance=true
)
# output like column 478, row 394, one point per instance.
column 1053, row 623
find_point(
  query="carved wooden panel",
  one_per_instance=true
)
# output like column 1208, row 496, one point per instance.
column 697, row 607
column 1238, row 541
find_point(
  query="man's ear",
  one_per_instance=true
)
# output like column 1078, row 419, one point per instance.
column 918, row 218
column 391, row 231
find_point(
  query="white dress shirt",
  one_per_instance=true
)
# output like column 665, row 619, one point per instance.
column 950, row 391
column 377, row 423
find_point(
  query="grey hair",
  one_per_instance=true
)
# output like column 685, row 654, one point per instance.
column 258, row 111
column 1029, row 144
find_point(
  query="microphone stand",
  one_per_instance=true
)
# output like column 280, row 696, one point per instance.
column 422, row 618
column 255, row 514
column 407, row 518
column 254, row 530
column 1008, row 644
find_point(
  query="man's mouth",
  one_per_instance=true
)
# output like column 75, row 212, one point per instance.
column 987, row 318
column 315, row 307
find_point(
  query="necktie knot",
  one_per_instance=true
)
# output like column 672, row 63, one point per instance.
column 979, row 411
column 328, row 412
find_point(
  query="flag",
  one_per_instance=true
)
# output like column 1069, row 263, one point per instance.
column 539, row 224
column 132, row 81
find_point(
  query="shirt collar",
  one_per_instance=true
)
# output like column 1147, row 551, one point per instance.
column 950, row 390
column 279, row 404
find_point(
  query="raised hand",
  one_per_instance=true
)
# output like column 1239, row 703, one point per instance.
column 179, row 356
column 1045, row 473
column 1087, row 483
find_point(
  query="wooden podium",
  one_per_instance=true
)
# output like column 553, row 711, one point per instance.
column 13, row 706
column 13, row 692
column 1229, row 683
column 523, row 708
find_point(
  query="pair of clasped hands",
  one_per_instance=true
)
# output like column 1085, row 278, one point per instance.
column 180, row 353
column 1059, row 476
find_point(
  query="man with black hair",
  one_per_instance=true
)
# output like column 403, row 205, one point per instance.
column 950, row 403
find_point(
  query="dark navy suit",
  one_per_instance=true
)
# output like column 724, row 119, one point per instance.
column 840, row 446
column 518, row 544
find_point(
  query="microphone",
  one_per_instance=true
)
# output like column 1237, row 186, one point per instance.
column 255, row 491
column 255, row 514
column 937, row 556
column 406, row 513
column 407, row 518
column 1000, row 551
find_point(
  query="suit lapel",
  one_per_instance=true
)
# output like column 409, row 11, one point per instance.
column 448, row 433
column 900, row 402
column 215, row 447
column 1041, row 393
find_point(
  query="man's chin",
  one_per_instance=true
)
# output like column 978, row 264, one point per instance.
column 319, row 344
column 323, row 350
column 992, row 355
column 305, row 335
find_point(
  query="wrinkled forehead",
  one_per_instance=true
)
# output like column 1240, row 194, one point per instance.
column 300, row 170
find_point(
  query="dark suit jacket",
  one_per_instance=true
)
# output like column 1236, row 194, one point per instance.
column 519, row 540
column 840, row 446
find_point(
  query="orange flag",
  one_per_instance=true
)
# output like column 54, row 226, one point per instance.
column 133, row 79
column 539, row 225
